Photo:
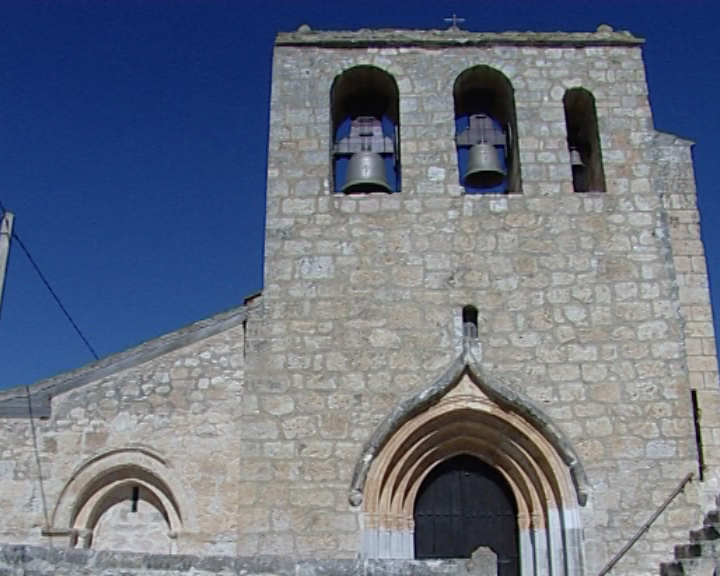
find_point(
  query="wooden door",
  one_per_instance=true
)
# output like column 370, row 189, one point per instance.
column 464, row 504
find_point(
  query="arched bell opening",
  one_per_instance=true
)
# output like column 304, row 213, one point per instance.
column 583, row 140
column 486, row 131
column 365, row 131
column 513, row 454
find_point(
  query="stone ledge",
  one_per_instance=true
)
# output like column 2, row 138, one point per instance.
column 34, row 560
column 305, row 36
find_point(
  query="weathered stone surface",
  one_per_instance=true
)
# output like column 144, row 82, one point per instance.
column 36, row 561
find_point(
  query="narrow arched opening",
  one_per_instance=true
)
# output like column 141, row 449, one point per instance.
column 583, row 140
column 470, row 322
column 365, row 116
column 486, row 131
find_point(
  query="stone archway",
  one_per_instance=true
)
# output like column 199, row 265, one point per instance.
column 124, row 499
column 467, row 413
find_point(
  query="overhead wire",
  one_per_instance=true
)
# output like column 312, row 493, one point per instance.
column 50, row 289
column 27, row 388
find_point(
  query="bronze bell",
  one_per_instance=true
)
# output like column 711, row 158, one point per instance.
column 484, row 169
column 575, row 158
column 366, row 173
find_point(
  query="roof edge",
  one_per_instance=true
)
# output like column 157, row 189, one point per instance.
column 15, row 402
column 671, row 139
column 305, row 36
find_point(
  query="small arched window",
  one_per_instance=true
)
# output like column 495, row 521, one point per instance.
column 365, row 131
column 583, row 139
column 470, row 322
column 486, row 131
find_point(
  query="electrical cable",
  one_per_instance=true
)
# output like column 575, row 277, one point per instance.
column 55, row 296
column 50, row 289
column 27, row 388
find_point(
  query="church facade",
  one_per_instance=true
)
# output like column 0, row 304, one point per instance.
column 485, row 322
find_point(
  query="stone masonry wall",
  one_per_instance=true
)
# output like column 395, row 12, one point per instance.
column 675, row 181
column 577, row 295
column 181, row 407
column 35, row 561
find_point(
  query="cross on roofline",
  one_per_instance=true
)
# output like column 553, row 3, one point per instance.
column 454, row 21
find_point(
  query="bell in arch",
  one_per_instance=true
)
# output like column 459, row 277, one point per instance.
column 575, row 158
column 484, row 169
column 366, row 173
column 579, row 171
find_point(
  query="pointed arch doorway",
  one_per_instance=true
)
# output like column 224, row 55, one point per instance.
column 467, row 412
column 463, row 504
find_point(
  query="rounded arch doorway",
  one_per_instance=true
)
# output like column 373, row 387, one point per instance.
column 464, row 504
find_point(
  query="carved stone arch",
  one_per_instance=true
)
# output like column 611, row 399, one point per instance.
column 95, row 486
column 468, row 413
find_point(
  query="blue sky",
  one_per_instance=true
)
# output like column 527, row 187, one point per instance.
column 133, row 143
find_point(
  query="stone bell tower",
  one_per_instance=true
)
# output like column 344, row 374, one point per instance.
column 482, row 261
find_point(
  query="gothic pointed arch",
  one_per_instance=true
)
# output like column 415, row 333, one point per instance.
column 467, row 412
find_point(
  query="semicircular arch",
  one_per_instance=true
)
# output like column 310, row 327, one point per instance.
column 95, row 478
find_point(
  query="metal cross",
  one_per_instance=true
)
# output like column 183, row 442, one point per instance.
column 454, row 21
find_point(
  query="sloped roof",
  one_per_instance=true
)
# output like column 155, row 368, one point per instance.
column 18, row 402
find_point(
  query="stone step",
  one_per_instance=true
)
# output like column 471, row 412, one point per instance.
column 705, row 534
column 690, row 567
column 701, row 556
column 684, row 551
column 702, row 549
column 712, row 518
column 672, row 569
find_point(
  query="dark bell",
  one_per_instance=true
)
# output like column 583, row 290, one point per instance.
column 484, row 169
column 575, row 157
column 366, row 173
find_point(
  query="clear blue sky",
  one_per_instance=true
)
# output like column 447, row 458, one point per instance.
column 133, row 139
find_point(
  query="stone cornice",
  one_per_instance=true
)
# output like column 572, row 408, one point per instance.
column 305, row 36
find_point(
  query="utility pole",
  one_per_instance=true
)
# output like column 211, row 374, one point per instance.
column 6, row 228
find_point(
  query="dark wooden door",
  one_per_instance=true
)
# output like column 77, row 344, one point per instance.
column 461, row 505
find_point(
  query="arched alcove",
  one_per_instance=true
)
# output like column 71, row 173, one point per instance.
column 130, row 516
column 583, row 139
column 486, row 131
column 365, row 128
column 123, row 499
column 470, row 322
